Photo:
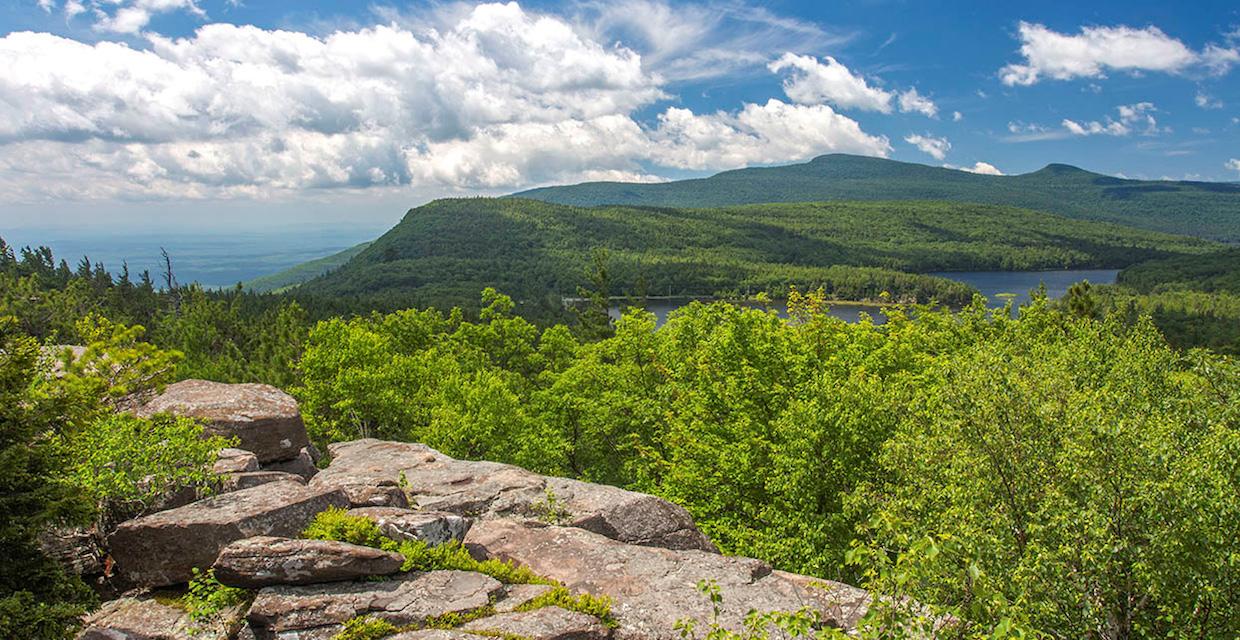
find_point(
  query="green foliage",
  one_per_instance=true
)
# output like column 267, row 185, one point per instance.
column 37, row 599
column 295, row 275
column 207, row 599
column 366, row 628
column 1213, row 272
column 1079, row 476
column 453, row 556
column 1203, row 209
column 116, row 364
column 336, row 524
column 125, row 464
column 444, row 252
column 597, row 606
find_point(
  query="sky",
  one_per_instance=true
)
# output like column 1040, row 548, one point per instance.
column 252, row 114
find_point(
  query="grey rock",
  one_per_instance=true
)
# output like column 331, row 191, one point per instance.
column 250, row 479
column 163, row 548
column 432, row 527
column 547, row 623
column 301, row 465
column 265, row 420
column 434, row 634
column 263, row 561
column 437, row 482
column 321, row 610
column 653, row 588
column 235, row 461
column 141, row 617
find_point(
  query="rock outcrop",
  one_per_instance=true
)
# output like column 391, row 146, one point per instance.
column 654, row 588
column 264, row 561
column 266, row 420
column 163, row 548
column 491, row 490
column 642, row 552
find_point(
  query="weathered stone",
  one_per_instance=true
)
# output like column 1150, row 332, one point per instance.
column 432, row 527
column 76, row 549
column 518, row 595
column 264, row 419
column 163, row 548
column 301, row 465
column 250, row 479
column 321, row 610
column 652, row 588
column 433, row 634
column 264, row 561
column 487, row 489
column 144, row 618
column 235, row 461
column 383, row 495
column 547, row 623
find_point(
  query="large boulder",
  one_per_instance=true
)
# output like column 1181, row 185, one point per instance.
column 264, row 561
column 265, row 420
column 301, row 464
column 163, row 548
column 320, row 611
column 653, row 588
column 437, row 482
column 432, row 527
column 547, row 623
column 250, row 479
column 234, row 461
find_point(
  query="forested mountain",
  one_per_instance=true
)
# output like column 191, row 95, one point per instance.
column 1203, row 209
column 443, row 253
column 1215, row 272
column 300, row 273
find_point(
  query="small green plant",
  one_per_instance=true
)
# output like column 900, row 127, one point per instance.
column 452, row 555
column 597, row 606
column 366, row 629
column 336, row 524
column 551, row 509
column 206, row 599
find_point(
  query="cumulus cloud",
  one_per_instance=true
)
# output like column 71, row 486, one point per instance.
column 1137, row 117
column 911, row 101
column 935, row 147
column 1233, row 164
column 498, row 97
column 984, row 168
column 1095, row 50
column 957, row 116
column 1207, row 101
column 814, row 81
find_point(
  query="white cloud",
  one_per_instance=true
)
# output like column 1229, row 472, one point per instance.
column 1095, row 50
column 984, row 168
column 957, row 116
column 132, row 16
column 1206, row 101
column 1233, row 164
column 911, row 101
column 1132, row 117
column 496, row 97
column 935, row 147
column 814, row 82
column 1218, row 59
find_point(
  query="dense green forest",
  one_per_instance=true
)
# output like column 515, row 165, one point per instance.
column 300, row 273
column 1217, row 271
column 443, row 253
column 1203, row 209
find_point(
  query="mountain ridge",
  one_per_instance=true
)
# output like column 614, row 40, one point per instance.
column 1204, row 209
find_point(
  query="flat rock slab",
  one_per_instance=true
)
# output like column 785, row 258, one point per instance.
column 489, row 490
column 251, row 479
column 547, row 623
column 264, row 561
column 311, row 611
column 265, row 420
column 144, row 618
column 432, row 527
column 235, row 461
column 163, row 548
column 517, row 595
column 653, row 588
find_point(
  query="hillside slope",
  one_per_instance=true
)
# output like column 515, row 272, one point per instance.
column 300, row 273
column 1203, row 209
column 1211, row 272
column 445, row 252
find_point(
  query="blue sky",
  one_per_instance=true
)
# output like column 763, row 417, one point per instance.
column 192, row 113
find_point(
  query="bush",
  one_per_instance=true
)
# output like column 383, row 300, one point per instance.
column 336, row 524
column 366, row 629
column 597, row 606
column 207, row 599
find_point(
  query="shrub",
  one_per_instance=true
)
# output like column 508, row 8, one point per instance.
column 207, row 599
column 366, row 629
column 599, row 607
column 336, row 524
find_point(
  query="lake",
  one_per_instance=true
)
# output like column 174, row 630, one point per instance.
column 995, row 285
